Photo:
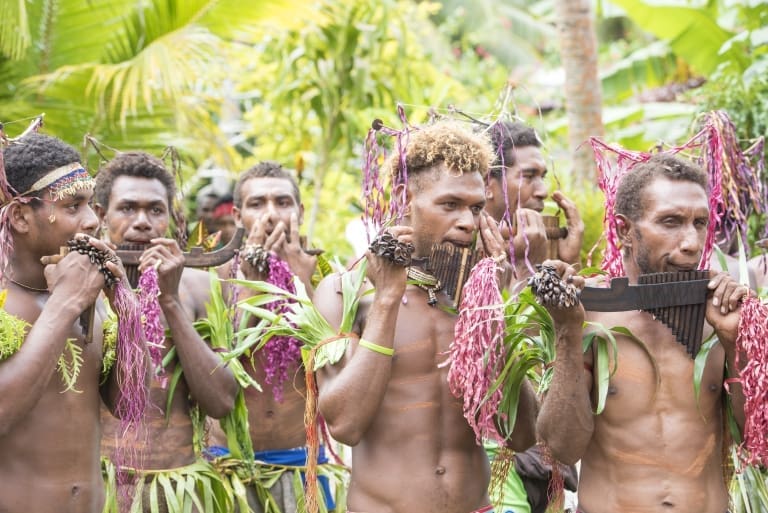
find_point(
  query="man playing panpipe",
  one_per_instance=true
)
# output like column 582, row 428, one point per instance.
column 655, row 446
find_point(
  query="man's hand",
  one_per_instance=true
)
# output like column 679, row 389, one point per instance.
column 566, row 316
column 74, row 276
column 282, row 241
column 388, row 277
column 492, row 243
column 723, row 305
column 301, row 264
column 529, row 240
column 569, row 248
column 166, row 256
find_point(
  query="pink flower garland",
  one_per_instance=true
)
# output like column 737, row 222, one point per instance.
column 752, row 341
column 477, row 355
column 281, row 354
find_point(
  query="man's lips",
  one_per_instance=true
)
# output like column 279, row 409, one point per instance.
column 137, row 242
column 459, row 243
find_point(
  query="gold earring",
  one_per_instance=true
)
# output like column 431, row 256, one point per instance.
column 52, row 218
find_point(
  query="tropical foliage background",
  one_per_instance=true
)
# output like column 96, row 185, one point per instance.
column 230, row 82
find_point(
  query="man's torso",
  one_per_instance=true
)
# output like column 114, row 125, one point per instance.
column 654, row 448
column 50, row 458
column 170, row 431
column 419, row 453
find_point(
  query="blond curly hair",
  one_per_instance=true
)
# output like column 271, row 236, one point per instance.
column 448, row 142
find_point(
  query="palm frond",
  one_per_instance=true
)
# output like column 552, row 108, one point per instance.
column 15, row 37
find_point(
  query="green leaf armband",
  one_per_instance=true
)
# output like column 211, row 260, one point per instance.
column 376, row 348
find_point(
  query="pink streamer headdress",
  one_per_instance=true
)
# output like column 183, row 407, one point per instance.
column 377, row 211
column 734, row 177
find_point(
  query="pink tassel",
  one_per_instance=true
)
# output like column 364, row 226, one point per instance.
column 376, row 214
column 149, row 290
column 281, row 354
column 609, row 177
column 477, row 355
column 752, row 341
column 134, row 394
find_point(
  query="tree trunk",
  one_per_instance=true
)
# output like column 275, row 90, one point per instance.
column 583, row 95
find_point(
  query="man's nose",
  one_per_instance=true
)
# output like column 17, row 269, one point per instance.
column 691, row 240
column 540, row 189
column 467, row 220
column 141, row 221
column 90, row 222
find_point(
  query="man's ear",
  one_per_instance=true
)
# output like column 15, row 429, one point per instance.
column 623, row 225
column 236, row 214
column 20, row 216
column 398, row 192
column 492, row 189
column 301, row 214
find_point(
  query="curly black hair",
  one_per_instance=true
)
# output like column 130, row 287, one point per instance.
column 445, row 142
column 32, row 157
column 137, row 164
column 265, row 169
column 629, row 195
column 505, row 137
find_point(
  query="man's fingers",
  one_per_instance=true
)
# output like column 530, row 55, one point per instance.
column 294, row 239
column 51, row 259
column 258, row 230
column 273, row 241
column 170, row 244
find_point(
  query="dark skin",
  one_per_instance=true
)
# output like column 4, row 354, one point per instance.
column 50, row 438
column 526, row 192
column 271, row 215
column 138, row 213
column 413, row 448
column 653, row 448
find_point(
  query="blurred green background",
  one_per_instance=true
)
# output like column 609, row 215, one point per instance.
column 229, row 83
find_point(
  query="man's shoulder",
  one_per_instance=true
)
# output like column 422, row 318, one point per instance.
column 20, row 306
column 196, row 277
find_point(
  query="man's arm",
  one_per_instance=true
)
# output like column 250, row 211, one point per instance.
column 565, row 423
column 74, row 283
column 723, row 314
column 211, row 384
column 352, row 391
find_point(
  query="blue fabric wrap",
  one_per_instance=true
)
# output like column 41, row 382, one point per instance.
column 290, row 457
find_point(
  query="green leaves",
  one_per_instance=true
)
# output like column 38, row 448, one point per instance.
column 69, row 364
column 701, row 362
column 602, row 342
column 14, row 29
column 12, row 331
column 302, row 321
column 693, row 33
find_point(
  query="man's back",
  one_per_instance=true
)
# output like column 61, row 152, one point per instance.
column 654, row 447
